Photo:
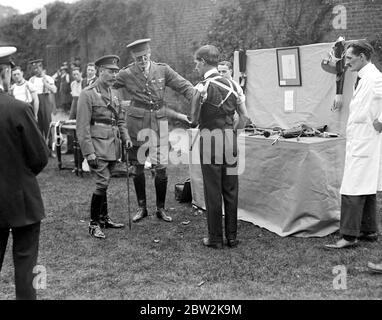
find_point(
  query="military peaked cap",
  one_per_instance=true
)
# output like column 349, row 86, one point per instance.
column 109, row 62
column 5, row 55
column 139, row 47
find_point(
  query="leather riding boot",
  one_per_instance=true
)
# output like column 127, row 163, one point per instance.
column 140, row 188
column 106, row 222
column 160, row 190
column 95, row 216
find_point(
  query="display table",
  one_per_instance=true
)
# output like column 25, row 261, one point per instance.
column 290, row 188
column 68, row 128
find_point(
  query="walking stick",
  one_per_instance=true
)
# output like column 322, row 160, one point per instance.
column 128, row 186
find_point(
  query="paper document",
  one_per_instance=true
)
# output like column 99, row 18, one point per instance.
column 289, row 101
column 289, row 67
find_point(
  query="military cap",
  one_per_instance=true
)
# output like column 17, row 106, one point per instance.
column 139, row 47
column 109, row 62
column 5, row 55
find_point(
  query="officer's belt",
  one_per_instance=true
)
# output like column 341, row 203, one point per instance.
column 148, row 106
column 109, row 122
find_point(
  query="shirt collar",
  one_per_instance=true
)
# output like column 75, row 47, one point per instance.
column 364, row 70
column 21, row 83
column 147, row 70
column 210, row 72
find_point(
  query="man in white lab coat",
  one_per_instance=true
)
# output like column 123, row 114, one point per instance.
column 362, row 173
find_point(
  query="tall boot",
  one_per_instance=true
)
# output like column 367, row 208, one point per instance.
column 106, row 222
column 160, row 190
column 140, row 190
column 95, row 216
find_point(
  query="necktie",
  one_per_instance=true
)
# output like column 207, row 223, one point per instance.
column 356, row 83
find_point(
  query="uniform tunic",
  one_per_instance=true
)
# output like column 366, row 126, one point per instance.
column 218, row 158
column 147, row 94
column 100, row 128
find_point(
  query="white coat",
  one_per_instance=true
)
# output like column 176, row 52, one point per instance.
column 363, row 160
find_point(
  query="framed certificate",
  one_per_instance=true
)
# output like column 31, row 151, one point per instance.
column 288, row 66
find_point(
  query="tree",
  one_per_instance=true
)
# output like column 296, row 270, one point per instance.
column 243, row 24
column 236, row 27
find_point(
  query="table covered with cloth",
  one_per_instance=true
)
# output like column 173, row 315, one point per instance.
column 289, row 188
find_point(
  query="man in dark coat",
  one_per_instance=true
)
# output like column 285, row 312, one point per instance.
column 91, row 75
column 23, row 155
column 216, row 104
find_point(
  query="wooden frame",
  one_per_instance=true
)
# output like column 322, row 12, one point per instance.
column 288, row 67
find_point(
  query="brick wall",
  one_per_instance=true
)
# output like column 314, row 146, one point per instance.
column 178, row 26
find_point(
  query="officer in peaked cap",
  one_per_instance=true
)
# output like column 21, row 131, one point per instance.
column 100, row 130
column 23, row 155
column 108, row 62
column 140, row 47
column 6, row 53
column 143, row 83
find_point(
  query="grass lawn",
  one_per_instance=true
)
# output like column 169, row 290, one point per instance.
column 131, row 265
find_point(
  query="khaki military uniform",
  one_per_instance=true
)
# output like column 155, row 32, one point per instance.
column 148, row 111
column 101, row 129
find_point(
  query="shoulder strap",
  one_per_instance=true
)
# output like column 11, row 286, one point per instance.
column 230, row 88
column 135, row 79
column 108, row 103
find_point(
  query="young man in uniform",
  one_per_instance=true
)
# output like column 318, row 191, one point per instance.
column 213, row 108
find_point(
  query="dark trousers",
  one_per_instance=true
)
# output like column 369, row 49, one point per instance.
column 218, row 185
column 73, row 109
column 358, row 214
column 44, row 114
column 25, row 252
